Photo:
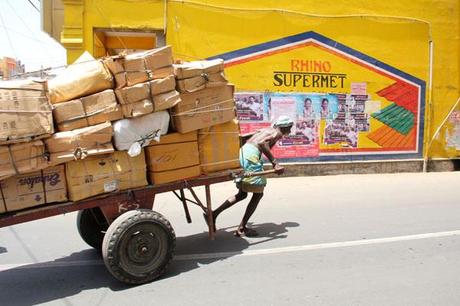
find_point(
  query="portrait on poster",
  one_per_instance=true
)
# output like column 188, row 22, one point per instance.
column 249, row 106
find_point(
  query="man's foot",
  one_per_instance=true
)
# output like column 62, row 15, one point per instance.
column 213, row 219
column 248, row 232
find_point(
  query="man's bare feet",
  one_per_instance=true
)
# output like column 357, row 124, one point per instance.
column 248, row 232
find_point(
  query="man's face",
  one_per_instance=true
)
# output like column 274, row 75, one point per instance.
column 286, row 130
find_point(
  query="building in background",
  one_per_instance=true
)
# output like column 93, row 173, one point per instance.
column 358, row 77
column 9, row 68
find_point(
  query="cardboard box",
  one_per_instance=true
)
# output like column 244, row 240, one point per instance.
column 80, row 143
column 2, row 204
column 204, row 108
column 137, row 109
column 165, row 100
column 22, row 158
column 135, row 100
column 36, row 188
column 140, row 67
column 169, row 176
column 192, row 69
column 105, row 173
column 201, row 81
column 25, row 111
column 163, row 85
column 174, row 158
column 139, row 100
column 219, row 147
column 87, row 111
column 85, row 77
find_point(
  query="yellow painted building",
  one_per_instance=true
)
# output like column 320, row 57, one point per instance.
column 388, row 69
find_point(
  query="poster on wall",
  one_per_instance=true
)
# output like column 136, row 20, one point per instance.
column 303, row 140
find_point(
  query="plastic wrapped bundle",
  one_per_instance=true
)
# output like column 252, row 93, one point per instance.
column 133, row 134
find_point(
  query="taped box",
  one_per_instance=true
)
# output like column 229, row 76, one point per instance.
column 174, row 158
column 36, row 188
column 141, row 67
column 85, row 77
column 204, row 108
column 219, row 147
column 25, row 112
column 148, row 97
column 105, row 173
column 201, row 81
column 22, row 158
column 87, row 111
column 80, row 143
column 197, row 68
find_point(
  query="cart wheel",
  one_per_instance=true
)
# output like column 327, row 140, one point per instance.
column 138, row 246
column 91, row 226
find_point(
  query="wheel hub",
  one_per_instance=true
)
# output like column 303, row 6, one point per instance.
column 142, row 247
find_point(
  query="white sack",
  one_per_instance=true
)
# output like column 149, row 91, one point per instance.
column 133, row 134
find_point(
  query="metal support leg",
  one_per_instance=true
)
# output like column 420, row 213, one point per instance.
column 209, row 212
column 184, row 203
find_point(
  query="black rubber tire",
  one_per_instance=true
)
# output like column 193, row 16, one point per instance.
column 92, row 226
column 138, row 246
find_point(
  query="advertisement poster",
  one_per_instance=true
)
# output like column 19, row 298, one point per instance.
column 250, row 107
column 303, row 109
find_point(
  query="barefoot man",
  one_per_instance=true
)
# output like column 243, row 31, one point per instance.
column 251, row 161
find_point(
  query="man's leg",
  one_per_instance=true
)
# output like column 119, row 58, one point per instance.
column 241, row 195
column 256, row 197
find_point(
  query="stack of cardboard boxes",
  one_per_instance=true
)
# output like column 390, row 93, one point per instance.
column 108, row 125
column 26, row 119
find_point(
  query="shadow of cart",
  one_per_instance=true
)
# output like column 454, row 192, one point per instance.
column 85, row 270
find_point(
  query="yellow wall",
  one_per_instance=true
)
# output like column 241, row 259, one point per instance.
column 202, row 29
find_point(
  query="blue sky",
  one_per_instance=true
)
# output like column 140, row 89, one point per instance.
column 21, row 36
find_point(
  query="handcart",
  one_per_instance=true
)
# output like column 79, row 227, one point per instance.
column 137, row 243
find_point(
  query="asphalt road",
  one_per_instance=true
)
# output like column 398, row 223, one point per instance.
column 334, row 240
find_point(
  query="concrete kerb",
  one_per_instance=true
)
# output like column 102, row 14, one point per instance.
column 368, row 167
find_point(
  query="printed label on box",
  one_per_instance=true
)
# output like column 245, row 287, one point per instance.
column 111, row 186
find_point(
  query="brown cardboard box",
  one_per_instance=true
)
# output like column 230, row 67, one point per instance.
column 87, row 111
column 22, row 158
column 140, row 67
column 85, row 77
column 204, row 108
column 174, row 158
column 202, row 81
column 80, row 143
column 2, row 204
column 165, row 100
column 105, row 173
column 139, row 100
column 36, row 188
column 25, row 111
column 192, row 69
column 163, row 85
column 219, row 147
column 137, row 109
column 135, row 100
column 174, row 175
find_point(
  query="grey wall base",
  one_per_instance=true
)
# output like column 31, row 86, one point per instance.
column 367, row 167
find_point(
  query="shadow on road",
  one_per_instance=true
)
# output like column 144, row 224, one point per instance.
column 3, row 250
column 49, row 281
column 225, row 245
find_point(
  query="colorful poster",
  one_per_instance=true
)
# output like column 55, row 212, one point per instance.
column 303, row 109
